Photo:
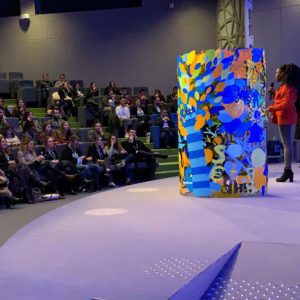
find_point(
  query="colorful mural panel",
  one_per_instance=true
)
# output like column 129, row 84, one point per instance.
column 222, row 123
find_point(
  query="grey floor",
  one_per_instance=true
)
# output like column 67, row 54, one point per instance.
column 144, row 241
column 11, row 220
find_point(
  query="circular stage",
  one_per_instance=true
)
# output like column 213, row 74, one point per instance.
column 143, row 241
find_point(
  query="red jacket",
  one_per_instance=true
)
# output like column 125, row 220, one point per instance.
column 283, row 109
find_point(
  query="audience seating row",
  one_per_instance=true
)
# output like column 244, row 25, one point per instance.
column 17, row 87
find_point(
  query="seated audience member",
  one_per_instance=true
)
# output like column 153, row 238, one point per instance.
column 111, row 100
column 123, row 114
column 57, row 120
column 109, row 105
column 157, row 93
column 19, row 110
column 5, row 191
column 117, row 159
column 61, row 81
column 6, row 111
column 21, row 179
column 138, row 152
column 66, row 172
column 145, row 101
column 97, row 154
column 97, row 131
column 115, row 151
column 156, row 107
column 77, row 90
column 143, row 96
column 171, row 97
column 92, row 102
column 112, row 87
column 27, row 156
column 63, row 134
column 44, row 86
column 46, row 133
column 66, row 101
column 168, row 131
column 11, row 138
column 28, row 118
column 86, row 168
column 124, row 93
column 172, row 100
column 3, row 123
column 30, row 132
column 138, row 111
column 77, row 94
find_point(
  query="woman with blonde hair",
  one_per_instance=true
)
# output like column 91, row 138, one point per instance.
column 46, row 132
column 63, row 134
column 117, row 155
column 39, row 165
column 20, row 176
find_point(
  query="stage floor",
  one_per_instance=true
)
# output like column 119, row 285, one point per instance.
column 140, row 242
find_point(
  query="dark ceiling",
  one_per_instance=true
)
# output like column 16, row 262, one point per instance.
column 57, row 6
column 12, row 7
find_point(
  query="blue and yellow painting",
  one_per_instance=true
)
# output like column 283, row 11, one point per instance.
column 222, row 123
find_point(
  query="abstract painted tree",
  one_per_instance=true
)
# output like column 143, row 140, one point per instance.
column 221, row 123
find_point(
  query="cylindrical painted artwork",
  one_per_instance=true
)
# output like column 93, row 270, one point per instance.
column 222, row 123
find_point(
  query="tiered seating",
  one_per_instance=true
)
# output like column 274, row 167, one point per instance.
column 167, row 167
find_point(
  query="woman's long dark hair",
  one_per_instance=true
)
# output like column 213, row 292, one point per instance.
column 7, row 150
column 291, row 76
column 117, row 146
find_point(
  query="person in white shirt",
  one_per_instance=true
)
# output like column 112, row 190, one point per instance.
column 123, row 114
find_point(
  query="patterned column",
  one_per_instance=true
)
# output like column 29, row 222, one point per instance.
column 221, row 123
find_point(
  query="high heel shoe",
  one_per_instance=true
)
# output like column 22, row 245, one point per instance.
column 287, row 174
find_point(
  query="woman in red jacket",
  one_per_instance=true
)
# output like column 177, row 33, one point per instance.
column 284, row 114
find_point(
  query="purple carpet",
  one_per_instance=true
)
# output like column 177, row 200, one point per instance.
column 144, row 241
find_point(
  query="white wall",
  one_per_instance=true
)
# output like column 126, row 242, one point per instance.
column 135, row 46
column 276, row 28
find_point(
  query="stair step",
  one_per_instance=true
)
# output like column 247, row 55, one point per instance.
column 75, row 124
column 172, row 151
column 39, row 115
column 72, row 119
column 37, row 110
column 143, row 139
column 10, row 102
column 166, row 174
column 168, row 166
column 171, row 158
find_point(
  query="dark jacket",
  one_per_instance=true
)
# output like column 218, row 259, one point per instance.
column 4, row 161
column 51, row 155
column 90, row 95
column 64, row 93
column 70, row 155
column 160, row 123
column 92, row 151
column 131, row 148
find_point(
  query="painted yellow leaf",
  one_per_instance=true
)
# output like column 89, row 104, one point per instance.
column 202, row 97
column 200, row 121
column 208, row 90
column 220, row 87
column 193, row 102
column 191, row 57
column 208, row 155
